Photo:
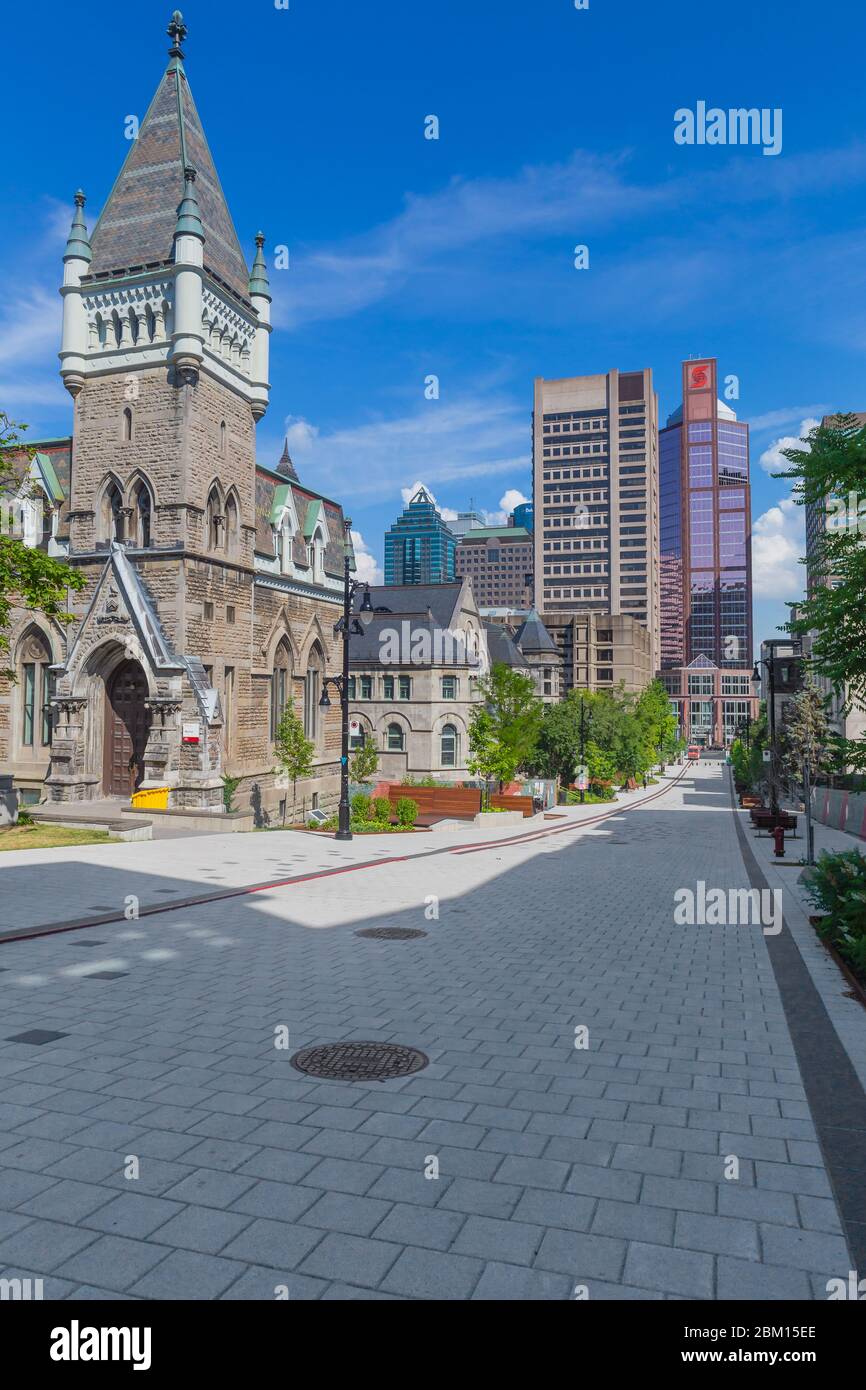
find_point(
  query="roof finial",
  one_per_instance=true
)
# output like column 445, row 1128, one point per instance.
column 188, row 219
column 259, row 274
column 78, row 243
column 177, row 32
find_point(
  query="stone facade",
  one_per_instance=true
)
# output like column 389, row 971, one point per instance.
column 212, row 583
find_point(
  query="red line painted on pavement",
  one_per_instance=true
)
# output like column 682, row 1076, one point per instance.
column 224, row 894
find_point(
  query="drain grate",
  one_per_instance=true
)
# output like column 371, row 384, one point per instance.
column 359, row 1061
column 391, row 933
column 37, row 1036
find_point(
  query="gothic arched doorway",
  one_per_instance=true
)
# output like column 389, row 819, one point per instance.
column 126, row 729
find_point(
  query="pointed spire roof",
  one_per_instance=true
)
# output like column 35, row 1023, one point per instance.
column 259, row 283
column 137, row 224
column 285, row 465
column 77, row 244
column 533, row 636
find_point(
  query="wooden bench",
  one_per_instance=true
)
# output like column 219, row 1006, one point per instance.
column 440, row 803
column 513, row 803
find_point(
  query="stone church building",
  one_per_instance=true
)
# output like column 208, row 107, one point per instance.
column 213, row 582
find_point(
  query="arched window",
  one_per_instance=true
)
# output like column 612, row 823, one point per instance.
column 36, row 687
column 281, row 685
column 223, row 438
column 215, row 519
column 448, row 740
column 111, row 519
column 394, row 738
column 231, row 526
column 284, row 544
column 318, row 556
column 141, row 516
column 127, row 425
column 313, row 692
column 47, row 523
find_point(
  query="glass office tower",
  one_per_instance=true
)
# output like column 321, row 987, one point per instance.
column 705, row 520
column 419, row 547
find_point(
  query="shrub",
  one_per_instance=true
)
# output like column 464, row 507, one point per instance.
column 407, row 811
column 230, row 786
column 331, row 823
column 381, row 808
column 362, row 807
column 837, row 885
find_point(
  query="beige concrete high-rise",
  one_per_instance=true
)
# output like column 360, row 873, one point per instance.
column 596, row 495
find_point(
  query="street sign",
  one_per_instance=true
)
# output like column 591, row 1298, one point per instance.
column 581, row 777
column 767, row 756
column 354, row 727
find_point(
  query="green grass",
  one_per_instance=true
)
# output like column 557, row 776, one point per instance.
column 51, row 837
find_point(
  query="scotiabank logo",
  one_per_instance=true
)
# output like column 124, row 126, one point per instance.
column 699, row 377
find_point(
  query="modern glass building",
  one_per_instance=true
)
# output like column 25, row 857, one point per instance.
column 419, row 548
column 705, row 521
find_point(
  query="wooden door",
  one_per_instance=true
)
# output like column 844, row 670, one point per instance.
column 126, row 727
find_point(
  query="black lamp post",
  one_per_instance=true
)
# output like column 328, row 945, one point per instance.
column 756, row 682
column 348, row 627
column 583, row 748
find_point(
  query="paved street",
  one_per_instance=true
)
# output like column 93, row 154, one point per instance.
column 165, row 1147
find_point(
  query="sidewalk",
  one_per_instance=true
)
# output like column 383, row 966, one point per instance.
column 83, row 882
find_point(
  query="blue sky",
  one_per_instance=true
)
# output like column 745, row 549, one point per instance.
column 454, row 257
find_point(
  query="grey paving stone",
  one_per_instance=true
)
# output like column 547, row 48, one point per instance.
column 278, row 1166
column 642, row 1158
column 480, row 1198
column 433, row 1229
column 209, row 1187
column 818, row 1214
column 680, row 1194
column 343, row 1211
column 67, row 1201
column 514, row 1242
column 352, row 1259
column 593, row 1181
column 184, row 1274
column 532, row 1172
column 752, row 1281
column 722, row 1235
column 403, row 1185
column 205, row 1229
column 634, row 1221
column 112, row 1261
column 42, row 1246
column 17, row 1187
column 501, row 1283
column 275, row 1243
column 581, row 1256
column 260, row 1284
column 340, row 1175
column 432, row 1274
column 809, row 1250
column 757, row 1204
column 780, row 1177
column 669, row 1270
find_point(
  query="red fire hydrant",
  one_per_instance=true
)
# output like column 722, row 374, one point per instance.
column 779, row 840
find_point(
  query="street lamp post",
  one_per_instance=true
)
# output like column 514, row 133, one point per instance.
column 582, row 749
column 756, row 682
column 347, row 627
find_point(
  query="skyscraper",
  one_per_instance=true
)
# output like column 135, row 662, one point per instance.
column 595, row 485
column 419, row 547
column 705, row 506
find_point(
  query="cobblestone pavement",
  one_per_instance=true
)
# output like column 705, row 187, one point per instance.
column 164, row 1147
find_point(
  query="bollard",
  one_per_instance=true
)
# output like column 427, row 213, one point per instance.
column 779, row 838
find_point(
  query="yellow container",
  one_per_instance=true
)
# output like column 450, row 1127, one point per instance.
column 151, row 799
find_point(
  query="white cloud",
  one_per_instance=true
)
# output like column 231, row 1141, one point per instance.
column 778, row 543
column 510, row 499
column 772, row 419
column 367, row 567
column 771, row 459
column 474, row 436
column 300, row 434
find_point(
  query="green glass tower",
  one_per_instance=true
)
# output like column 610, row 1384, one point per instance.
column 419, row 548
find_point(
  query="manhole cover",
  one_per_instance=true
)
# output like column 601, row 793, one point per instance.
column 359, row 1061
column 391, row 933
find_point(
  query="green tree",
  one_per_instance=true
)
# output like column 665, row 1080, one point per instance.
column 557, row 751
column 657, row 721
column 805, row 735
column 294, row 751
column 365, row 762
column 504, row 727
column 28, row 576
column 829, row 472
